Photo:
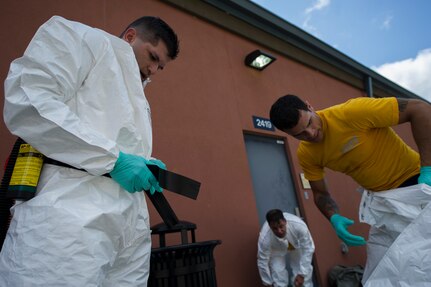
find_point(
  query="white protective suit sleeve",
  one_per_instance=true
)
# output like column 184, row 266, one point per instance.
column 55, row 65
column 264, row 255
column 300, row 237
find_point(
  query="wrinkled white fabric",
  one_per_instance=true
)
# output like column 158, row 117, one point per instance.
column 400, row 236
column 272, row 252
column 76, row 96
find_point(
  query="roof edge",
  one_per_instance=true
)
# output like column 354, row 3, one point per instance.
column 241, row 16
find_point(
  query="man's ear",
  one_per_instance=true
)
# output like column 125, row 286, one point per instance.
column 310, row 108
column 130, row 35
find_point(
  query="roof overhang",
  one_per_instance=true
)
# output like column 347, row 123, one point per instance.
column 268, row 30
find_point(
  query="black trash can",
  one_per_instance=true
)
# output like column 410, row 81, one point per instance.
column 189, row 264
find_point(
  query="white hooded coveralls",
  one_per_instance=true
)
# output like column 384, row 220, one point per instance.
column 272, row 252
column 77, row 97
column 399, row 241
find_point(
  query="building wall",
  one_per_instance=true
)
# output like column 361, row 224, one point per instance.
column 202, row 103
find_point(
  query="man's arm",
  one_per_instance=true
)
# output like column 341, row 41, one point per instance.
column 322, row 198
column 418, row 113
column 329, row 208
column 39, row 89
column 305, row 247
column 263, row 257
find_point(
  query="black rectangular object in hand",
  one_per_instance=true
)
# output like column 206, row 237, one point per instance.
column 175, row 182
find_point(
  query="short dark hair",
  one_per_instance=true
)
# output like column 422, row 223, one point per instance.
column 152, row 29
column 274, row 216
column 284, row 113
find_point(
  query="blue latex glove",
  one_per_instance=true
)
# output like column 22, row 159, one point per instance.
column 340, row 224
column 132, row 173
column 425, row 176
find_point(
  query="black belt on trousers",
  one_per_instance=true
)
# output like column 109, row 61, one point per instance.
column 410, row 181
column 168, row 180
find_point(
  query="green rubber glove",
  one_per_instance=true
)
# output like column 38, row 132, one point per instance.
column 425, row 176
column 132, row 173
column 340, row 224
column 159, row 163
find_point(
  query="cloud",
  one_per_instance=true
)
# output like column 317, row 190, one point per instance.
column 412, row 74
column 386, row 25
column 308, row 27
column 318, row 5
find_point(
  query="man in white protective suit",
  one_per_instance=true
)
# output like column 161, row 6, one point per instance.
column 285, row 236
column 76, row 95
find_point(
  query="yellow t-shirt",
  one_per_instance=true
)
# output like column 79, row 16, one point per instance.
column 359, row 142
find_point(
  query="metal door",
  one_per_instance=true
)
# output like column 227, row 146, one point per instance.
column 272, row 181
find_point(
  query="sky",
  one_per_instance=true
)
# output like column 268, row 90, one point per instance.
column 392, row 37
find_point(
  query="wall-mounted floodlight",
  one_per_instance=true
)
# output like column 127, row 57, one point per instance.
column 259, row 60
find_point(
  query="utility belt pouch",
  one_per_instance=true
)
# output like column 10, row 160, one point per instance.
column 22, row 171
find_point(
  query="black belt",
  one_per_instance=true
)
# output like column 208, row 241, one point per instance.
column 168, row 180
column 410, row 181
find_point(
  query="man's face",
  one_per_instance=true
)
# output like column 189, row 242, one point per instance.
column 308, row 128
column 150, row 58
column 279, row 228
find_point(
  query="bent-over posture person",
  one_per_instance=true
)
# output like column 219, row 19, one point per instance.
column 285, row 234
column 356, row 138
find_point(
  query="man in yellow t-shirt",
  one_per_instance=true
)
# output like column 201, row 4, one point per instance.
column 356, row 138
